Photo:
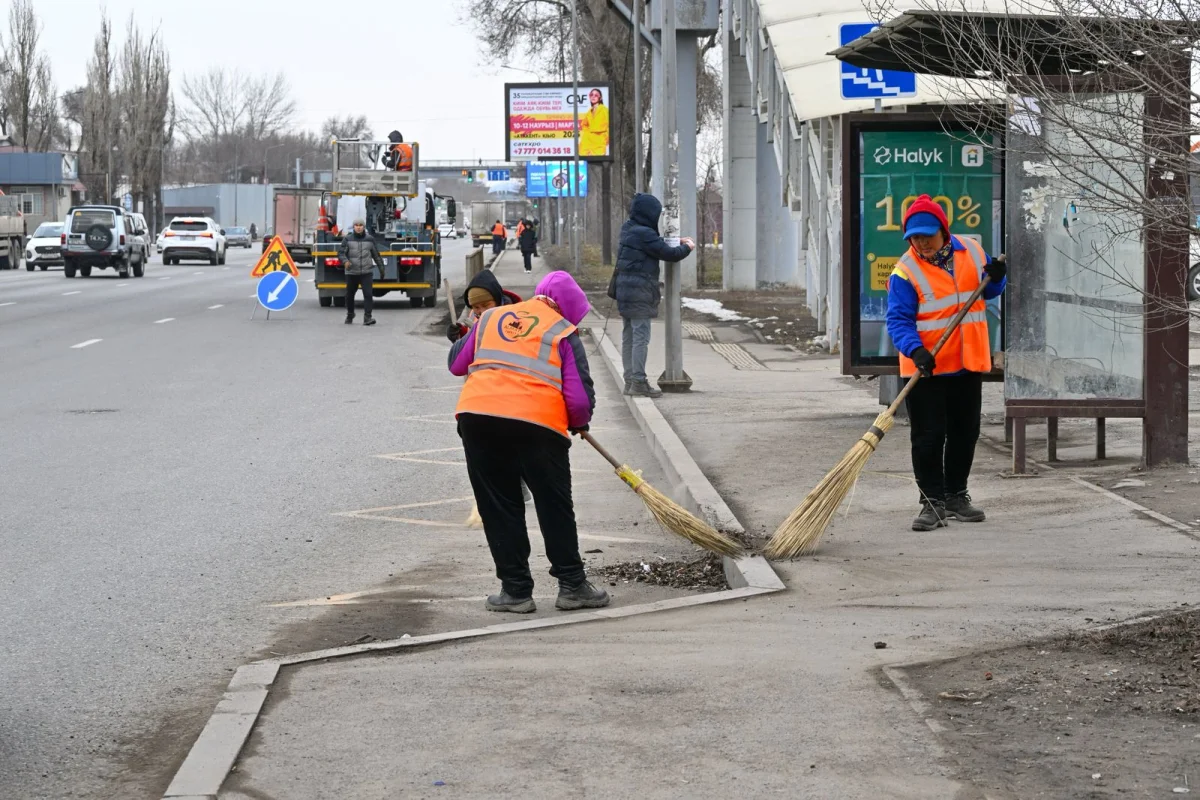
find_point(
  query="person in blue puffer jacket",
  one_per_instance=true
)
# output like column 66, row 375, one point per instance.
column 637, row 293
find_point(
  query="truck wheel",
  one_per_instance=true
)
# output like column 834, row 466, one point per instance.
column 415, row 302
column 68, row 269
column 326, row 302
column 339, row 302
column 431, row 301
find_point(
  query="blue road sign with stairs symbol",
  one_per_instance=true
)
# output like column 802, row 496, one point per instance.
column 859, row 84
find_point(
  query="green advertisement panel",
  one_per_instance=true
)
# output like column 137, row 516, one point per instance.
column 956, row 170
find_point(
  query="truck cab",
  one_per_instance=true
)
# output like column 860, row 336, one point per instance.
column 400, row 215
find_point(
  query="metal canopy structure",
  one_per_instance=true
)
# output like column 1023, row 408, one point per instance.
column 929, row 42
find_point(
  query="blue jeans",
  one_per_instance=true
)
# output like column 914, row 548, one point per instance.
column 635, row 344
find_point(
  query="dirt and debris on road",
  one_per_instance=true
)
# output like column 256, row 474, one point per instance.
column 704, row 573
column 1092, row 715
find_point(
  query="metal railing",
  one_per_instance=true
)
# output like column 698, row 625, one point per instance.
column 358, row 169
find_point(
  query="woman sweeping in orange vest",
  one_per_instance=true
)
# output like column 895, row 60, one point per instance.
column 528, row 387
column 926, row 289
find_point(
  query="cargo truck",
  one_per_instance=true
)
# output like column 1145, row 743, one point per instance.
column 296, row 213
column 484, row 214
column 12, row 232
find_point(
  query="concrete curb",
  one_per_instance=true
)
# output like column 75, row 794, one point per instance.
column 215, row 752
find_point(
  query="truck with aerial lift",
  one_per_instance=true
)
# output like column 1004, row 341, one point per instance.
column 400, row 215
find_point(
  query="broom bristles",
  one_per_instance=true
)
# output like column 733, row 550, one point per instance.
column 681, row 522
column 801, row 532
column 474, row 520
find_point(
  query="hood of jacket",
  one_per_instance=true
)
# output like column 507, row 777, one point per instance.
column 486, row 280
column 645, row 210
column 562, row 289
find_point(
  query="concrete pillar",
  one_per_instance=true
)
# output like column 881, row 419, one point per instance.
column 656, row 124
column 765, row 224
column 687, row 53
column 787, row 265
column 740, row 200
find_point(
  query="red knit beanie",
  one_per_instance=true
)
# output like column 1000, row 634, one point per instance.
column 926, row 204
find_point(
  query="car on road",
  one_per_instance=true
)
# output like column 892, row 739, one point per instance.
column 104, row 237
column 447, row 232
column 44, row 248
column 162, row 237
column 237, row 237
column 194, row 239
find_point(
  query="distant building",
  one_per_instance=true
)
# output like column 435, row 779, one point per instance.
column 46, row 184
column 230, row 204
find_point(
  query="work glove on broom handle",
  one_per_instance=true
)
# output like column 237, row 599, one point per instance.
column 954, row 323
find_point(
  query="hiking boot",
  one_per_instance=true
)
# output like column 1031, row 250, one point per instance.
column 582, row 596
column 369, row 321
column 349, row 319
column 933, row 515
column 642, row 389
column 958, row 506
column 506, row 602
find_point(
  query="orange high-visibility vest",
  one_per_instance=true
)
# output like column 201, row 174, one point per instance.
column 499, row 230
column 520, row 228
column 517, row 371
column 404, row 156
column 940, row 295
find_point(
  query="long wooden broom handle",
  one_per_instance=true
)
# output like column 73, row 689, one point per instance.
column 587, row 437
column 954, row 323
column 450, row 302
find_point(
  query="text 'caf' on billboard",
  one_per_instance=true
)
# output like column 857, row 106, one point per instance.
column 539, row 121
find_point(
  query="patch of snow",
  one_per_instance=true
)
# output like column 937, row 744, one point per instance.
column 712, row 308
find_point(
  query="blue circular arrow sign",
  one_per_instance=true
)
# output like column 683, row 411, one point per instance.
column 277, row 291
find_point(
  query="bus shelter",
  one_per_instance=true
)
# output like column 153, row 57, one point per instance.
column 1096, row 212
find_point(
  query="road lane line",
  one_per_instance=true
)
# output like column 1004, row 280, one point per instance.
column 161, row 321
column 82, row 345
column 225, row 268
column 66, row 294
column 197, row 273
column 166, row 278
column 122, row 284
column 2, row 305
column 218, row 305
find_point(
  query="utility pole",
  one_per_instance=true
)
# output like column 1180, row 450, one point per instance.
column 574, row 181
column 637, row 98
column 673, row 379
column 297, row 173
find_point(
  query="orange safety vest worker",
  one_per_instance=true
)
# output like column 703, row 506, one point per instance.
column 499, row 230
column 517, row 371
column 940, row 295
column 520, row 227
column 404, row 156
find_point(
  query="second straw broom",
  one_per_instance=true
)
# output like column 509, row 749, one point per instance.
column 670, row 514
column 801, row 531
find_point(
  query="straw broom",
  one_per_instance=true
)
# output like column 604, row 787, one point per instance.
column 669, row 514
column 801, row 531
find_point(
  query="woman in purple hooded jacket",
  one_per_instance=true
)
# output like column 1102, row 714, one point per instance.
column 528, row 388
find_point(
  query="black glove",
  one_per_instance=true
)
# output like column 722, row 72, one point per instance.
column 580, row 429
column 924, row 361
column 456, row 331
column 996, row 270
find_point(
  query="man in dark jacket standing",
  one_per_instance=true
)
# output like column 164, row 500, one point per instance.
column 359, row 257
column 638, row 295
column 528, row 242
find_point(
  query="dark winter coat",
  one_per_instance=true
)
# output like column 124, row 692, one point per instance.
column 528, row 239
column 640, row 250
column 359, row 254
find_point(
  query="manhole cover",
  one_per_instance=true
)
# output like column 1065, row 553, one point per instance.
column 92, row 410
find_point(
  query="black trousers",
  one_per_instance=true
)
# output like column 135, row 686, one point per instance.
column 500, row 452
column 944, row 413
column 352, row 284
column 497, row 243
column 525, row 254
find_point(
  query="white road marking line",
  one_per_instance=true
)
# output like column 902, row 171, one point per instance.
column 65, row 294
column 166, row 278
column 255, row 295
column 197, row 273
column 225, row 268
column 161, row 321
column 122, row 284
column 2, row 305
column 310, row 280
column 82, row 345
column 218, row 305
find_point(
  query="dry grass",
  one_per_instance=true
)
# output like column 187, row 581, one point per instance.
column 801, row 532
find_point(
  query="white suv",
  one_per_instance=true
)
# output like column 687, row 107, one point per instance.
column 193, row 238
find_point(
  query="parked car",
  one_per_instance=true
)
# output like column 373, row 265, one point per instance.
column 237, row 237
column 194, row 239
column 44, row 248
column 105, row 237
column 447, row 232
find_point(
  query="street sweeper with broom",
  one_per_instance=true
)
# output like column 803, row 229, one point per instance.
column 528, row 389
column 926, row 290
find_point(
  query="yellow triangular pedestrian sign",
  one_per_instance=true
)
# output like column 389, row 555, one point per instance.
column 275, row 258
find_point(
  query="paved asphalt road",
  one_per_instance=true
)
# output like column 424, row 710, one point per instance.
column 170, row 468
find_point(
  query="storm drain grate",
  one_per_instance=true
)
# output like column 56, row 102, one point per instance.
column 698, row 332
column 738, row 356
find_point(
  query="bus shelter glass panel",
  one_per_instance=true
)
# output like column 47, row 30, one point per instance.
column 1075, row 187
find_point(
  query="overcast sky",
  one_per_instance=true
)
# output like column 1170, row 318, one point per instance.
column 406, row 64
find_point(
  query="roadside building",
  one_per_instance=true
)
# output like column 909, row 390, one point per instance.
column 46, row 184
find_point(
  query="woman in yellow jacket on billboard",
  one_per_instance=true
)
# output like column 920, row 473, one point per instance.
column 593, row 127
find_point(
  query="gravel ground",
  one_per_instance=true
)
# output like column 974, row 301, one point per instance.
column 704, row 573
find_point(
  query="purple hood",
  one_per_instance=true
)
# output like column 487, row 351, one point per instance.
column 562, row 289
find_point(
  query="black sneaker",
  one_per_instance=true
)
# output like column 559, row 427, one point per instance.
column 350, row 320
column 642, row 389
column 369, row 321
column 506, row 602
column 582, row 596
column 933, row 515
column 958, row 506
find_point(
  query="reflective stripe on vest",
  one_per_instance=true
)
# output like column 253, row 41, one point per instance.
column 941, row 324
column 517, row 369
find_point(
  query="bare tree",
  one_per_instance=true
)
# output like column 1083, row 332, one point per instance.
column 215, row 105
column 143, row 88
column 30, row 109
column 97, row 116
column 347, row 127
column 270, row 108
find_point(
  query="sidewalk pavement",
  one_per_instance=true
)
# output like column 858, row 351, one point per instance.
column 782, row 694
